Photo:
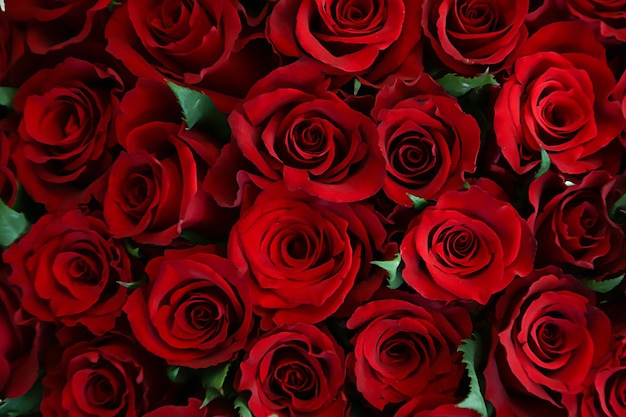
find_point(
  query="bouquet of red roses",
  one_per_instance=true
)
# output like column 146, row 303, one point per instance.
column 312, row 208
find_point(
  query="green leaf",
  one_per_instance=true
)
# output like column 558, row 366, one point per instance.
column 466, row 185
column 474, row 400
column 178, row 374
column 215, row 376
column 210, row 395
column 113, row 5
column 357, row 86
column 617, row 213
column 12, row 225
column 242, row 407
column 458, row 86
column 199, row 109
column 25, row 405
column 418, row 202
column 133, row 285
column 395, row 279
column 6, row 96
column 604, row 286
column 196, row 237
column 544, row 165
column 132, row 249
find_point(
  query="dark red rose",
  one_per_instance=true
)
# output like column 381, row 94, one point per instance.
column 67, row 269
column 51, row 26
column 374, row 39
column 65, row 132
column 470, row 36
column 406, row 348
column 11, row 46
column 468, row 246
column 548, row 339
column 8, row 182
column 291, row 127
column 433, row 406
column 194, row 311
column 304, row 258
column 199, row 43
column 109, row 376
column 573, row 227
column 426, row 139
column 558, row 99
column 295, row 371
column 606, row 16
column 19, row 343
column 215, row 408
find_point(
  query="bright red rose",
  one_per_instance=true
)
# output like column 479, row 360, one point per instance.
column 433, row 406
column 573, row 227
column 406, row 347
column 192, row 409
column 65, row 132
column 426, row 139
column 558, row 100
column 607, row 16
column 304, row 258
column 50, row 26
column 470, row 36
column 295, row 371
column 548, row 339
column 19, row 343
column 468, row 246
column 292, row 128
column 374, row 39
column 194, row 311
column 67, row 269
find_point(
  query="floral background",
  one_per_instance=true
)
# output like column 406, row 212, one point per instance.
column 312, row 208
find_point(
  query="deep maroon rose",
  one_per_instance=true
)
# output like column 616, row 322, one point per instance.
column 65, row 132
column 548, row 339
column 109, row 376
column 200, row 43
column 426, row 139
column 374, row 38
column 433, row 406
column 406, row 348
column 558, row 100
column 194, row 311
column 573, row 227
column 19, row 343
column 67, row 269
column 215, row 408
column 470, row 36
column 606, row 16
column 8, row 182
column 291, row 127
column 468, row 246
column 50, row 26
column 295, row 371
column 11, row 46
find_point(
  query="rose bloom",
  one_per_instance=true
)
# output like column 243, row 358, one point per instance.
column 11, row 46
column 469, row 36
column 548, row 339
column 573, row 227
column 557, row 99
column 405, row 348
column 605, row 15
column 304, row 258
column 65, row 132
column 67, row 269
column 294, row 371
column 375, row 39
column 468, row 246
column 433, row 406
column 8, row 182
column 215, row 408
column 194, row 311
column 427, row 141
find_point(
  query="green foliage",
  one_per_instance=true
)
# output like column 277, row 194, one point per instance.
column 394, row 279
column 6, row 96
column 419, row 203
column 617, row 213
column 357, row 86
column 458, row 86
column 213, row 382
column 474, row 400
column 604, row 286
column 132, row 249
column 22, row 406
column 178, row 374
column 544, row 165
column 12, row 225
column 242, row 407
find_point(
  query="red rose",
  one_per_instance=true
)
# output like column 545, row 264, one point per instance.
column 604, row 15
column 374, row 39
column 67, row 269
column 65, row 132
column 406, row 348
column 426, row 139
column 193, row 311
column 301, row 257
column 19, row 344
column 11, row 46
column 573, row 227
column 8, row 182
column 469, row 36
column 108, row 376
column 291, row 127
column 433, row 406
column 558, row 100
column 468, row 246
column 52, row 26
column 548, row 339
column 198, row 43
column 192, row 409
column 294, row 371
